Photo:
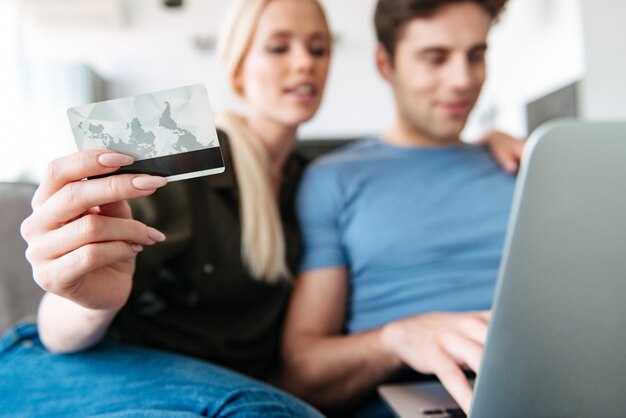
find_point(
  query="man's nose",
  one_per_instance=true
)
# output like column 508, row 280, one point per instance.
column 461, row 74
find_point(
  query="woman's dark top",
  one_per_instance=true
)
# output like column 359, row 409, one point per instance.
column 192, row 294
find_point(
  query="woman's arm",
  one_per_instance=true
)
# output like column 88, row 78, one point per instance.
column 506, row 150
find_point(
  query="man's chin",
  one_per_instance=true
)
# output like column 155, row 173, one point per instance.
column 448, row 136
column 442, row 131
column 450, row 132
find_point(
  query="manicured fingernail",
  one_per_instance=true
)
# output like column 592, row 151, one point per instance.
column 111, row 159
column 156, row 235
column 136, row 248
column 148, row 182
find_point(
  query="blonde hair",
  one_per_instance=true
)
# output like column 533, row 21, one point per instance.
column 262, row 240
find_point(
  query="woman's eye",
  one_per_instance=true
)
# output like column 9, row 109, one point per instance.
column 318, row 51
column 277, row 49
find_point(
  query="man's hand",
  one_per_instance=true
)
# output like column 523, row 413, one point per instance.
column 442, row 344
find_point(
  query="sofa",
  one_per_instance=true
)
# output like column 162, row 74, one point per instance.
column 19, row 295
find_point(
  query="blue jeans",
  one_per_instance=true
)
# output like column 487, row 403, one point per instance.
column 113, row 380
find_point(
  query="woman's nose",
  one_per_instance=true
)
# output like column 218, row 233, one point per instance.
column 303, row 60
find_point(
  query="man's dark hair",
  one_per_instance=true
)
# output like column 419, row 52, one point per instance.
column 391, row 16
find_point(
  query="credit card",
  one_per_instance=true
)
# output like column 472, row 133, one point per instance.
column 170, row 133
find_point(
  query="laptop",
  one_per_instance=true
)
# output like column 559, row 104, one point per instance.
column 556, row 346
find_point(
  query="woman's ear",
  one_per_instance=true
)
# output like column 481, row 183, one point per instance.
column 238, row 83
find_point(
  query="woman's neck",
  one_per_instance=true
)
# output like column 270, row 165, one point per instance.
column 276, row 138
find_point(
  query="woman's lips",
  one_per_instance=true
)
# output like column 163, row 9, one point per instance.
column 303, row 92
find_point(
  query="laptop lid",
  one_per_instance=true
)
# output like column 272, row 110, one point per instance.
column 557, row 337
column 557, row 340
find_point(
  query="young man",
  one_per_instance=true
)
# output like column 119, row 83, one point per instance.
column 403, row 234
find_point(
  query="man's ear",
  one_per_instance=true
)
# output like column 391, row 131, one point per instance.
column 383, row 62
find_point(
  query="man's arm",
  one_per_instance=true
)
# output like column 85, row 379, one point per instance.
column 320, row 364
column 331, row 370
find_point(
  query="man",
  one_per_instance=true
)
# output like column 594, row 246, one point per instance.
column 403, row 234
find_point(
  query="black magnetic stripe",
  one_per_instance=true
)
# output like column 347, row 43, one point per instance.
column 171, row 165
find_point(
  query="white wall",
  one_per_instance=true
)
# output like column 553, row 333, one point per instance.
column 12, row 112
column 155, row 51
column 536, row 48
column 604, row 89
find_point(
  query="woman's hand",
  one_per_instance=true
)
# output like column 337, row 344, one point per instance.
column 82, row 240
column 506, row 150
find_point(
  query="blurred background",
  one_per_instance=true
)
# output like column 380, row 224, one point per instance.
column 547, row 58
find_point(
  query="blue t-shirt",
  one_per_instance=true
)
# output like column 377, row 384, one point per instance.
column 419, row 229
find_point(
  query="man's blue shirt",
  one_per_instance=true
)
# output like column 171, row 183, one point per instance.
column 419, row 229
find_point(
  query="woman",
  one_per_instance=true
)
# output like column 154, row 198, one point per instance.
column 215, row 288
column 216, row 285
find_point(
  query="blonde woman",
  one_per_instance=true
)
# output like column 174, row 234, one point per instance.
column 216, row 285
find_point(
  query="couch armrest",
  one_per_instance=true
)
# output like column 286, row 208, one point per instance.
column 19, row 295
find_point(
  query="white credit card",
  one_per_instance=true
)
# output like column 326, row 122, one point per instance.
column 170, row 133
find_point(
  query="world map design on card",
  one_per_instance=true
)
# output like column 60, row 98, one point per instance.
column 169, row 133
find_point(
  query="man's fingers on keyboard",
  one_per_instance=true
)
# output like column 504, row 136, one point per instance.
column 465, row 351
column 455, row 382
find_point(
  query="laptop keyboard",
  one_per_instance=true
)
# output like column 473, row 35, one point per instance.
column 444, row 413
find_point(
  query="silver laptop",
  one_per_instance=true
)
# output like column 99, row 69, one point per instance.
column 556, row 346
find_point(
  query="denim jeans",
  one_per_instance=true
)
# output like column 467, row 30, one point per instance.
column 114, row 380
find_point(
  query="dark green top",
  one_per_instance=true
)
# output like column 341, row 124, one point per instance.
column 192, row 294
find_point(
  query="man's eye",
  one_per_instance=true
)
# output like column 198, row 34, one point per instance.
column 435, row 59
column 477, row 57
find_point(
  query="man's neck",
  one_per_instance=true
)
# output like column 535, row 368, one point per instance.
column 402, row 135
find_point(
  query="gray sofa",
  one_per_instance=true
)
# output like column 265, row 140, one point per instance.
column 19, row 295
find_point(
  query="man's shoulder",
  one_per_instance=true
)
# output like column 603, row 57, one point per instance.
column 332, row 172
